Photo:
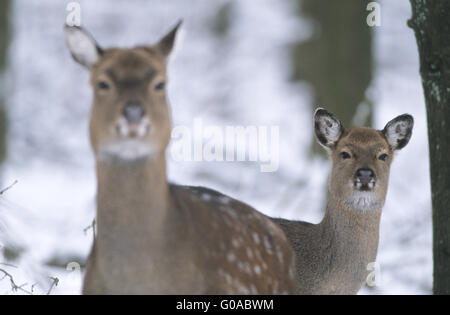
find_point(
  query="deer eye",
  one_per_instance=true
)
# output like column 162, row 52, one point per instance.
column 383, row 157
column 344, row 155
column 102, row 85
column 160, row 86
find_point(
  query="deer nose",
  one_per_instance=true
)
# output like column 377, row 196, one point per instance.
column 365, row 175
column 133, row 112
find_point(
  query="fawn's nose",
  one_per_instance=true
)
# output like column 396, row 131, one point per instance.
column 133, row 112
column 365, row 176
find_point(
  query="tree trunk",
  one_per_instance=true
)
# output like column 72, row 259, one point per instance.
column 337, row 60
column 431, row 24
column 5, row 13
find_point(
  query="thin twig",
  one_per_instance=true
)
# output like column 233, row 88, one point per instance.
column 32, row 287
column 14, row 286
column 9, row 187
column 8, row 265
column 91, row 226
column 55, row 282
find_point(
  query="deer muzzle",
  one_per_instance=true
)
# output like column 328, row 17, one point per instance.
column 365, row 179
column 133, row 122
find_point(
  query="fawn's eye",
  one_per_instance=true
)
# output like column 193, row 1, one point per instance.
column 383, row 157
column 345, row 155
column 102, row 85
column 160, row 86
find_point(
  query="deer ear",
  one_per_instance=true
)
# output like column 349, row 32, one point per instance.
column 328, row 128
column 82, row 46
column 398, row 131
column 166, row 44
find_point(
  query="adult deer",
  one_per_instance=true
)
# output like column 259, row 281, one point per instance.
column 332, row 257
column 155, row 237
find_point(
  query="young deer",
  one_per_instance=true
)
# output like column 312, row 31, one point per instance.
column 154, row 237
column 332, row 257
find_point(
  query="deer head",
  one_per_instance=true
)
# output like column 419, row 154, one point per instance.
column 361, row 158
column 130, row 118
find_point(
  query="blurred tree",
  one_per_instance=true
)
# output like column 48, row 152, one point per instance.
column 5, row 6
column 222, row 20
column 431, row 24
column 221, row 26
column 337, row 59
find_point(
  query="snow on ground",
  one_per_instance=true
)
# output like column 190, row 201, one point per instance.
column 241, row 79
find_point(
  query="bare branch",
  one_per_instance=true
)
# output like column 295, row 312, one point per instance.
column 14, row 286
column 55, row 282
column 92, row 226
column 8, row 188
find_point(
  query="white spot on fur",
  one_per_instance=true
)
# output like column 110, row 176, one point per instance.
column 228, row 278
column 280, row 255
column 256, row 238
column 231, row 257
column 225, row 200
column 206, row 197
column 247, row 268
column 249, row 253
column 267, row 245
column 232, row 213
column 242, row 289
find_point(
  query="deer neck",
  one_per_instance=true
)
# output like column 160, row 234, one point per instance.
column 132, row 202
column 351, row 235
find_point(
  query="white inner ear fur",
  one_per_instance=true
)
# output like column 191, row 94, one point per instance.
column 330, row 129
column 82, row 46
column 397, row 132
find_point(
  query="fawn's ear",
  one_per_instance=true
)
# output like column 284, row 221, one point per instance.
column 328, row 128
column 398, row 131
column 82, row 46
column 166, row 44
